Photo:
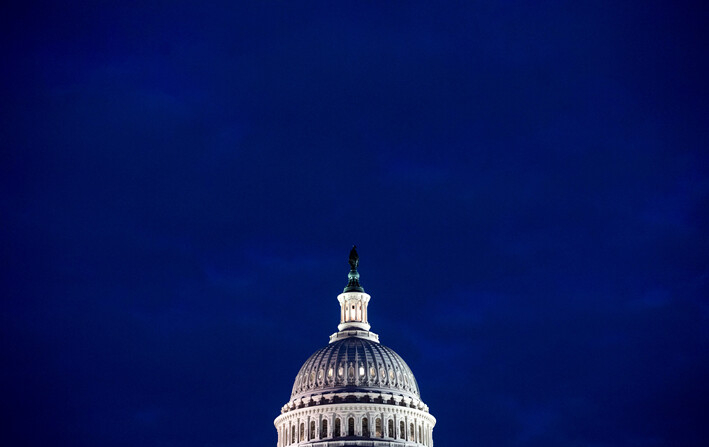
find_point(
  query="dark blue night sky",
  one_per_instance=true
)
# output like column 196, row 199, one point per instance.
column 527, row 184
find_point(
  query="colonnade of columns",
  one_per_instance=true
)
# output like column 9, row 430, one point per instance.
column 370, row 425
column 354, row 311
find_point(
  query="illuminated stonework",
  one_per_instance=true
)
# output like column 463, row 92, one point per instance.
column 355, row 391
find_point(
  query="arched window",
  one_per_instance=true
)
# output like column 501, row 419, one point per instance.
column 365, row 427
column 390, row 428
column 402, row 430
column 302, row 431
column 411, row 432
column 350, row 427
column 378, row 428
column 420, row 437
column 292, row 434
column 323, row 429
column 338, row 431
column 311, row 434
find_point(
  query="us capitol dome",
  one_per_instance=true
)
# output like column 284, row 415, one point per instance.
column 355, row 391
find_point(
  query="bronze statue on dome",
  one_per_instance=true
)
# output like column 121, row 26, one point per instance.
column 354, row 258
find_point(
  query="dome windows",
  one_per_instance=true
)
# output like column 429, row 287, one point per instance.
column 391, row 375
column 329, row 373
column 372, row 372
column 320, row 375
column 361, row 371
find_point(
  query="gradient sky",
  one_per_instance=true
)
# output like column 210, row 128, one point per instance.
column 527, row 183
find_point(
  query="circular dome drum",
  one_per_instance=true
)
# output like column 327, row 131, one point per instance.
column 356, row 365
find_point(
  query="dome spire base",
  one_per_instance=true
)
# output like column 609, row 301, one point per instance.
column 354, row 333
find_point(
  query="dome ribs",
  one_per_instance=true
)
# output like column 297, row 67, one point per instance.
column 369, row 362
column 347, row 356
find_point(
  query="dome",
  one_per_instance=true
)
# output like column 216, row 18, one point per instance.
column 355, row 391
column 357, row 365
